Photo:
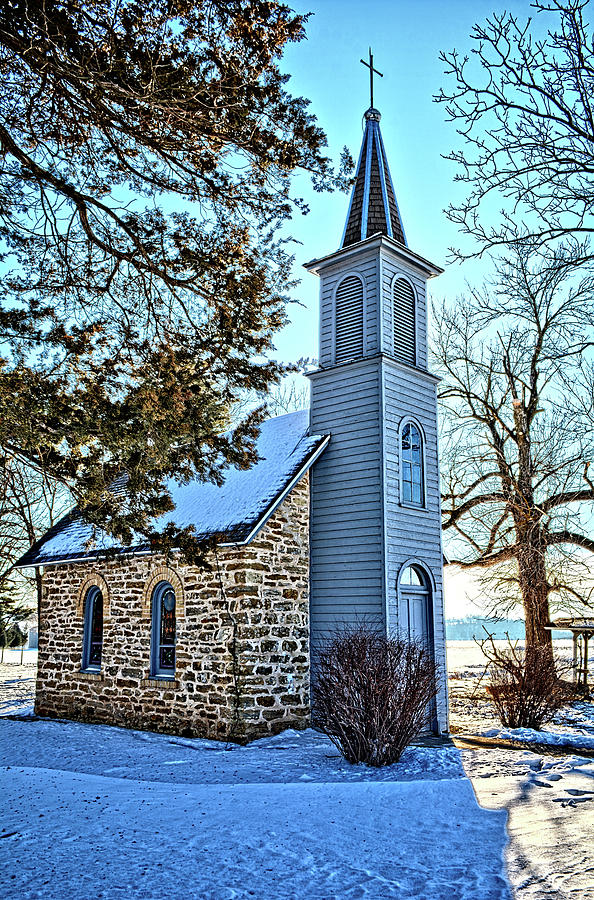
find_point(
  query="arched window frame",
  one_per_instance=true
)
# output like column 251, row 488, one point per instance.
column 423, row 585
column 91, row 598
column 351, row 274
column 401, row 276
column 409, row 420
column 158, row 670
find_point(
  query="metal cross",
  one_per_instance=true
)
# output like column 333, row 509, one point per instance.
column 371, row 71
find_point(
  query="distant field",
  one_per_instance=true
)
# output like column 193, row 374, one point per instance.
column 461, row 654
column 13, row 657
column 468, row 655
column 469, row 628
column 470, row 706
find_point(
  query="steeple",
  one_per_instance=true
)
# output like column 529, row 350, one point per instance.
column 373, row 208
column 375, row 523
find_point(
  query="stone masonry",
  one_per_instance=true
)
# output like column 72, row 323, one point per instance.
column 242, row 637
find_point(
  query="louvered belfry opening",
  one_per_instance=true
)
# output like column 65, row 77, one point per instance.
column 405, row 338
column 349, row 320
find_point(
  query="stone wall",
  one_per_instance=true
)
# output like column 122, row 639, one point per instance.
column 242, row 638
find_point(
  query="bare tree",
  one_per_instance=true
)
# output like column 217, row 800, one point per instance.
column 522, row 102
column 30, row 503
column 289, row 395
column 292, row 393
column 517, row 402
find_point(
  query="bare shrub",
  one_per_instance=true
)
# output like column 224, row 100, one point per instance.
column 372, row 694
column 524, row 686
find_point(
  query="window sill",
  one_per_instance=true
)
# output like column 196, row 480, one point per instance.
column 159, row 681
column 90, row 675
column 407, row 505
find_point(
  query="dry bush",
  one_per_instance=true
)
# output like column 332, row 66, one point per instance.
column 372, row 694
column 525, row 687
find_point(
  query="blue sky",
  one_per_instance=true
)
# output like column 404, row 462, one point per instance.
column 406, row 38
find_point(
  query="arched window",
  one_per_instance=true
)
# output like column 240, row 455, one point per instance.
column 348, row 312
column 93, row 630
column 413, row 576
column 405, row 326
column 411, row 462
column 163, row 630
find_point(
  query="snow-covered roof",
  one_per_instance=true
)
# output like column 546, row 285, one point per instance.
column 237, row 509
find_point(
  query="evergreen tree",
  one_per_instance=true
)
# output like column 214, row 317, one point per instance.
column 147, row 149
column 12, row 613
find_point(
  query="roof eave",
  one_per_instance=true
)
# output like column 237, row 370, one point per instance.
column 431, row 270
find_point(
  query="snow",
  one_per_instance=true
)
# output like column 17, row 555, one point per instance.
column 95, row 810
column 89, row 809
column 17, row 682
column 550, row 805
column 548, row 738
column 284, row 447
column 549, row 799
column 473, row 712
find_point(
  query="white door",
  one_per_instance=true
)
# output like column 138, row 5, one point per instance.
column 415, row 594
column 416, row 599
column 417, row 617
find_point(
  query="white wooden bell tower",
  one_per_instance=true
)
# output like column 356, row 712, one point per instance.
column 376, row 552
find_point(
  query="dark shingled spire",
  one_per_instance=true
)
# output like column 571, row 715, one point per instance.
column 373, row 208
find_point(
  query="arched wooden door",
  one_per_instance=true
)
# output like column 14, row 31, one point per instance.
column 415, row 594
column 416, row 598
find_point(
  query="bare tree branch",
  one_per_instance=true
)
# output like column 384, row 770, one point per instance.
column 522, row 105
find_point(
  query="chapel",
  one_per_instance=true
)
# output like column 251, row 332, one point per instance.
column 338, row 523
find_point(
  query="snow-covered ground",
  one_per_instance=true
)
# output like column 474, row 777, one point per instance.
column 17, row 681
column 93, row 810
column 550, row 806
column 549, row 799
column 563, row 736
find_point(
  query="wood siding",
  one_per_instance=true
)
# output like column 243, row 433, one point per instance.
column 412, row 533
column 346, row 534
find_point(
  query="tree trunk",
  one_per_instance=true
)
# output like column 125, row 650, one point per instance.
column 534, row 589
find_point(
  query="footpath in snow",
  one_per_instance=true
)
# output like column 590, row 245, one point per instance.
column 550, row 804
column 105, row 812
